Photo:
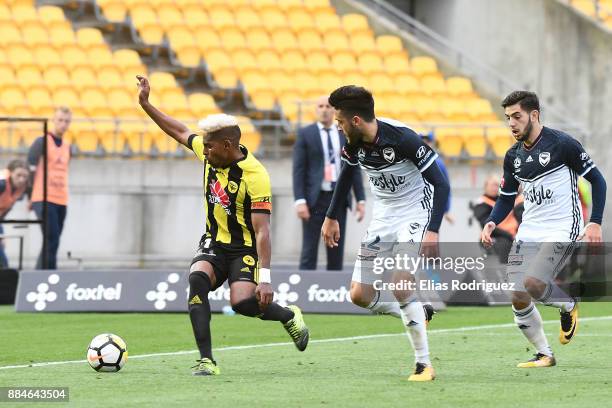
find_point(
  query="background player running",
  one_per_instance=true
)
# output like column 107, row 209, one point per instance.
column 546, row 163
column 236, row 245
column 410, row 194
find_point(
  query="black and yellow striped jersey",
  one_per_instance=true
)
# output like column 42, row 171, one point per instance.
column 232, row 194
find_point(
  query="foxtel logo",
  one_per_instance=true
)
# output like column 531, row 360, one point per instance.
column 98, row 293
column 316, row 294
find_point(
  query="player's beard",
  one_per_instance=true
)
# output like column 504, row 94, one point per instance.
column 353, row 137
column 526, row 133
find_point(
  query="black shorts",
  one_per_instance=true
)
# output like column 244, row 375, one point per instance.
column 231, row 264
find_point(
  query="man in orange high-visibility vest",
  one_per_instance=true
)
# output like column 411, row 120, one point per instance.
column 58, row 156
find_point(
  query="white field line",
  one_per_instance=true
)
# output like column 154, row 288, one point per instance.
column 332, row 340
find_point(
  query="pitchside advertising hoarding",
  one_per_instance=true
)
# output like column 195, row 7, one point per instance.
column 461, row 274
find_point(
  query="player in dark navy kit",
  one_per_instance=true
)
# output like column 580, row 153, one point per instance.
column 410, row 194
column 546, row 163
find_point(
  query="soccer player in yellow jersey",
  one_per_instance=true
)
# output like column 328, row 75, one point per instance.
column 236, row 245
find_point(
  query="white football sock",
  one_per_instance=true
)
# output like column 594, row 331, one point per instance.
column 555, row 296
column 413, row 317
column 530, row 323
column 390, row 308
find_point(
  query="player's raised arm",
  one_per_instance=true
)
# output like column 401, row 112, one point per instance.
column 172, row 127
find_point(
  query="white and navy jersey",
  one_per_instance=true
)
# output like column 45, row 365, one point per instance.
column 548, row 173
column 394, row 163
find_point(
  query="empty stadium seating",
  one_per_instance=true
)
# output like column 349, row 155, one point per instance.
column 45, row 63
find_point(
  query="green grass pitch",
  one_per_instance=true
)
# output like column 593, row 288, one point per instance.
column 474, row 350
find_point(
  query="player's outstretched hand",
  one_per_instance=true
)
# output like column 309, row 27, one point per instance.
column 360, row 211
column 264, row 294
column 143, row 88
column 429, row 245
column 330, row 232
column 591, row 233
column 485, row 235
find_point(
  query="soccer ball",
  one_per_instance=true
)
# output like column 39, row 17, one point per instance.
column 107, row 352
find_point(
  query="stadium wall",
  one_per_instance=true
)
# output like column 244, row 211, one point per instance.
column 148, row 213
column 542, row 45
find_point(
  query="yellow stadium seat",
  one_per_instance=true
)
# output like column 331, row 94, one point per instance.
column 308, row 85
column 283, row 84
column 114, row 10
column 189, row 56
column 318, row 61
column 331, row 81
column 84, row 77
column 5, row 13
column 202, row 104
column 357, row 78
column 207, row 40
column 310, row 40
column 263, row 4
column 107, row 133
column 389, row 45
column 34, row 34
column 263, row 99
column 180, row 37
column 434, row 86
column 382, row 84
column 408, row 84
column 226, row 78
column 29, row 77
column 422, row 66
column 56, row 77
column 585, row 6
column 195, row 17
column 459, row 87
column 217, row 59
column 254, row 81
column 24, row 13
column 397, row 105
column 127, row 59
column 232, row 39
column 221, row 18
column 257, row 39
column 481, row 110
column 95, row 103
column 449, row 141
column 40, row 102
column 50, row 15
column 291, row 5
column 162, row 81
column 74, row 56
column 300, row 19
column 344, row 62
column 363, row 42
column 84, row 136
column 319, row 6
column 101, row 58
column 90, row 39
column 453, row 110
column 397, row 64
column 175, row 103
column 68, row 97
column 336, row 41
column 49, row 55
column 284, row 40
column 143, row 15
column 14, row 101
column 151, row 33
column 474, row 141
column 245, row 61
column 293, row 61
column 19, row 56
column 328, row 24
column 427, row 109
column 61, row 35
column 110, row 78
column 250, row 138
column 274, row 19
column 169, row 16
column 355, row 23
column 247, row 18
column 371, row 63
column 269, row 61
column 10, row 34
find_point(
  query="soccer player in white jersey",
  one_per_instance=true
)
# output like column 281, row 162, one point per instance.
column 410, row 194
column 546, row 163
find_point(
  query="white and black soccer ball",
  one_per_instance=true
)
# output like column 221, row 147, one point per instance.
column 107, row 352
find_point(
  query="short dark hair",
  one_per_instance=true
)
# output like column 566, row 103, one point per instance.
column 353, row 100
column 17, row 164
column 528, row 101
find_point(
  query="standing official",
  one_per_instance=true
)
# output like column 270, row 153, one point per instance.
column 316, row 166
column 58, row 157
